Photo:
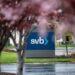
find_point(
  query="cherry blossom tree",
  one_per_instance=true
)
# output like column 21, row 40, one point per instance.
column 24, row 15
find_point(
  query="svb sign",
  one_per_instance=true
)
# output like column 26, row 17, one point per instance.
column 36, row 42
column 40, row 40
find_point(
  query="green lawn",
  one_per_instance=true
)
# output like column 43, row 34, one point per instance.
column 10, row 57
column 63, row 45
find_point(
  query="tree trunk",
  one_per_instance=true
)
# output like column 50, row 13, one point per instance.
column 0, row 61
column 20, row 54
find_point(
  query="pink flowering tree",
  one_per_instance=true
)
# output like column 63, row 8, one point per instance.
column 23, row 16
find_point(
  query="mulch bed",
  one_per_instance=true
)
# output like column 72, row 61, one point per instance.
column 7, row 73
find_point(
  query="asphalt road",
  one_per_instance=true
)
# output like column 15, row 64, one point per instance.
column 42, row 69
